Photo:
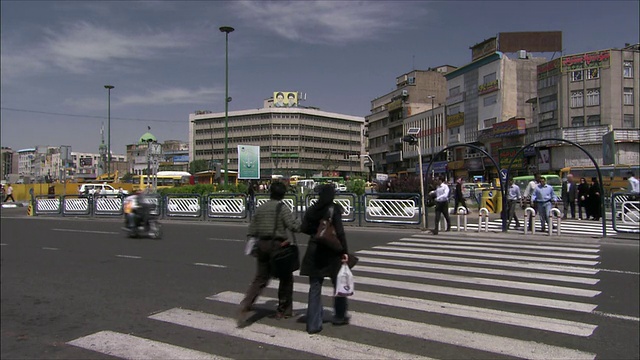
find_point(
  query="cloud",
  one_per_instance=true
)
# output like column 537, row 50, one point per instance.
column 174, row 96
column 329, row 22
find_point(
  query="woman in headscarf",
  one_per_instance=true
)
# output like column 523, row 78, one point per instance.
column 320, row 261
column 594, row 199
column 583, row 197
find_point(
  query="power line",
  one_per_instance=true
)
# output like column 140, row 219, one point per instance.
column 89, row 116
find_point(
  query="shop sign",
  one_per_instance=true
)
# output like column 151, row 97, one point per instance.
column 483, row 49
column 454, row 99
column 455, row 165
column 438, row 167
column 485, row 134
column 530, row 151
column 549, row 69
column 596, row 59
column 505, row 156
column 455, row 120
column 474, row 164
column 511, row 127
column 488, row 87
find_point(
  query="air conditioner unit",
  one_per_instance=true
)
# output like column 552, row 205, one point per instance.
column 522, row 54
column 405, row 93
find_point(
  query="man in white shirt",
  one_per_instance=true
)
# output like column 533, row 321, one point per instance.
column 441, row 194
column 634, row 184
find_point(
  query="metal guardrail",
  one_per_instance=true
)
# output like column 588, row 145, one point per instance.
column 110, row 205
column 625, row 212
column 183, row 205
column 76, row 205
column 400, row 209
column 348, row 202
column 227, row 206
column 47, row 204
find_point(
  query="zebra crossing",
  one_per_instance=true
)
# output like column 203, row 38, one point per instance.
column 569, row 226
column 429, row 296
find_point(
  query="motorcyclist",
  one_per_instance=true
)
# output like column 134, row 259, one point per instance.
column 136, row 211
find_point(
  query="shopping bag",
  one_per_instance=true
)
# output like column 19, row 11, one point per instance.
column 285, row 260
column 251, row 247
column 344, row 282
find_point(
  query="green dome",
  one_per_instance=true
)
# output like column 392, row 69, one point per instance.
column 147, row 137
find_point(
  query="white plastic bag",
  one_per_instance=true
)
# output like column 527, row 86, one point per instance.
column 251, row 246
column 344, row 282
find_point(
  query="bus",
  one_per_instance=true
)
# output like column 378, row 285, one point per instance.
column 166, row 179
column 614, row 177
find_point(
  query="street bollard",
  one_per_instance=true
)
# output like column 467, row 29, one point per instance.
column 462, row 212
column 529, row 218
column 557, row 215
column 483, row 219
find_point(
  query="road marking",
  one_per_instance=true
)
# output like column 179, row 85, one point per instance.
column 470, row 269
column 50, row 248
column 617, row 316
column 132, row 347
column 482, row 281
column 528, row 245
column 87, row 231
column 210, row 265
column 486, row 262
column 291, row 339
column 463, row 311
column 129, row 256
column 491, row 255
column 457, row 337
column 3, row 244
column 496, row 249
column 221, row 239
column 585, row 243
column 620, row 271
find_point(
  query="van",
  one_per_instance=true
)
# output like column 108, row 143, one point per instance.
column 552, row 180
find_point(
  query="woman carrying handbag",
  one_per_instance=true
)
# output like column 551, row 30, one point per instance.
column 323, row 260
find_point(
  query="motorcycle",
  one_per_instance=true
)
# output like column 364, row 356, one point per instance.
column 137, row 230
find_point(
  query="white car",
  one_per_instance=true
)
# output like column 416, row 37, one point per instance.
column 101, row 189
column 340, row 187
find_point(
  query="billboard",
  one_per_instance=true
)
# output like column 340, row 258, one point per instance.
column 596, row 59
column 285, row 99
column 608, row 149
column 484, row 48
column 248, row 162
column 532, row 41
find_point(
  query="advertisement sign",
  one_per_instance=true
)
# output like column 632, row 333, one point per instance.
column 608, row 149
column 511, row 127
column 86, row 161
column 455, row 120
column 285, row 99
column 438, row 167
column 488, row 87
column 484, row 48
column 544, row 160
column 248, row 162
column 549, row 69
column 474, row 164
column 505, row 156
column 596, row 59
column 181, row 159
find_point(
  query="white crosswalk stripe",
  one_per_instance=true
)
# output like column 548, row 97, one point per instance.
column 577, row 227
column 490, row 296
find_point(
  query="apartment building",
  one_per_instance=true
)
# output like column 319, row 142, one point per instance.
column 293, row 140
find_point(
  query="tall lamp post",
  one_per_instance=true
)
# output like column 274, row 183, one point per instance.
column 412, row 139
column 433, row 127
column 109, row 87
column 226, row 30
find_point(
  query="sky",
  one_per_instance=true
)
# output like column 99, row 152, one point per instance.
column 166, row 59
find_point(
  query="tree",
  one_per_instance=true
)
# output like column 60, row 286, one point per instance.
column 198, row 165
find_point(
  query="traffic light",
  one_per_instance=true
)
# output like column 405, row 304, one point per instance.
column 410, row 139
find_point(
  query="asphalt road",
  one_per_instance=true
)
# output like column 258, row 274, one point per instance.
column 78, row 289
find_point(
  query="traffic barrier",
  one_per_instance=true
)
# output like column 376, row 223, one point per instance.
column 393, row 208
column 76, row 205
column 111, row 205
column 483, row 219
column 462, row 213
column 227, row 206
column 183, row 205
column 529, row 220
column 30, row 210
column 47, row 205
column 557, row 215
column 625, row 211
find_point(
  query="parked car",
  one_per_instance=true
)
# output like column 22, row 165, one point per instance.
column 102, row 189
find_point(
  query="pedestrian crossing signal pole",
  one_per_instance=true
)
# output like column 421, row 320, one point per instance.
column 412, row 139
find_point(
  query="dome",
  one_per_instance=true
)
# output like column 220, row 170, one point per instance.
column 147, row 137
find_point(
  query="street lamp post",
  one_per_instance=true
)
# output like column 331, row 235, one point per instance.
column 433, row 128
column 413, row 139
column 109, row 87
column 226, row 30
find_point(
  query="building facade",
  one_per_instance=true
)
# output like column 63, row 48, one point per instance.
column 293, row 140
column 416, row 92
column 8, row 163
column 582, row 97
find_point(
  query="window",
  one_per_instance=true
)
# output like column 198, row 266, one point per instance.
column 577, row 121
column 488, row 123
column 490, row 100
column 454, row 91
column 576, row 75
column 593, row 97
column 577, row 99
column 627, row 97
column 627, row 70
column 593, row 120
column 627, row 121
column 454, row 110
column 489, row 78
column 593, row 73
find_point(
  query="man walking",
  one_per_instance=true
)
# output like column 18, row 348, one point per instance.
column 634, row 185
column 441, row 194
column 542, row 197
column 528, row 191
column 459, row 197
column 9, row 192
column 514, row 198
column 569, row 197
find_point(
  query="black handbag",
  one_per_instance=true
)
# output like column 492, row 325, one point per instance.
column 285, row 259
column 326, row 234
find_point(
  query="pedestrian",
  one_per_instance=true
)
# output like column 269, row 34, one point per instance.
column 9, row 192
column 594, row 202
column 583, row 199
column 270, row 224
column 320, row 261
column 528, row 192
column 569, row 197
column 514, row 198
column 441, row 194
column 251, row 198
column 459, row 197
column 542, row 197
column 634, row 186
